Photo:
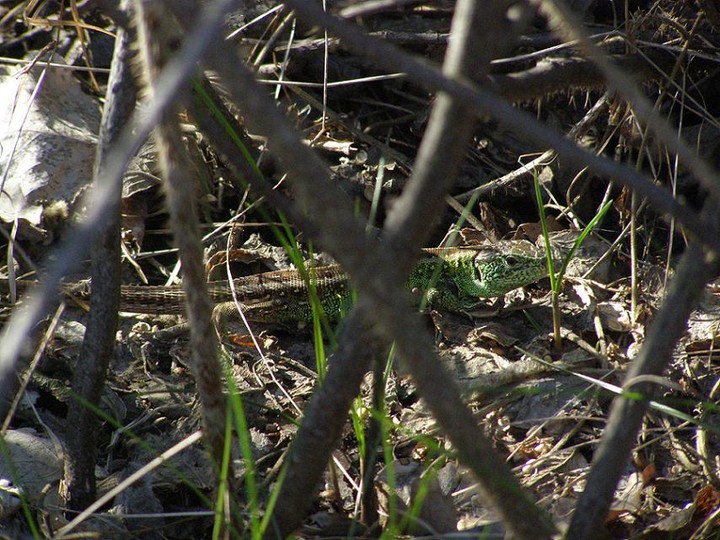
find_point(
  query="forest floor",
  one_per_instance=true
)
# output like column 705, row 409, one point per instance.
column 544, row 408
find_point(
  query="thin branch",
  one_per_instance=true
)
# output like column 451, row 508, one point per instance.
column 342, row 235
column 484, row 101
column 13, row 339
column 564, row 22
column 98, row 344
column 696, row 268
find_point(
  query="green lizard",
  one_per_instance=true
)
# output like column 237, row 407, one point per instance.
column 458, row 277
column 449, row 279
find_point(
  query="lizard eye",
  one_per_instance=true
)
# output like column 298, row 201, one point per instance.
column 512, row 260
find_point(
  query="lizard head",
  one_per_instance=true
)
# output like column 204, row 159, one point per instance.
column 455, row 279
column 500, row 273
